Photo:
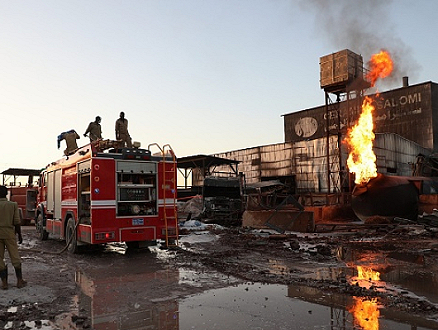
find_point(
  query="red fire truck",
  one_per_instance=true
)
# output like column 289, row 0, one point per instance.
column 105, row 193
column 23, row 190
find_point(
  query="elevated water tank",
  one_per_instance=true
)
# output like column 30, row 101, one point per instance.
column 340, row 69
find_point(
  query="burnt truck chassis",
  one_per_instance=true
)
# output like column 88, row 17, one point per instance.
column 223, row 200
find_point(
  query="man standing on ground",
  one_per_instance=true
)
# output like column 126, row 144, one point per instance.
column 9, row 226
column 122, row 131
column 94, row 129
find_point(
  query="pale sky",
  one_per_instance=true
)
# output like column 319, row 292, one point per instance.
column 203, row 76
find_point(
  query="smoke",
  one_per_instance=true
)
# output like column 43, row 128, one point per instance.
column 363, row 26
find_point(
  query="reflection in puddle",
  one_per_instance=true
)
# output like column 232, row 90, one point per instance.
column 365, row 313
column 114, row 300
column 367, row 273
column 137, row 292
column 410, row 274
column 258, row 306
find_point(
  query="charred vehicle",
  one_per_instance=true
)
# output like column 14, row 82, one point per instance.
column 223, row 199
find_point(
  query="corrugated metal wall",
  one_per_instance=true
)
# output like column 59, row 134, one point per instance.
column 263, row 161
column 307, row 160
column 395, row 154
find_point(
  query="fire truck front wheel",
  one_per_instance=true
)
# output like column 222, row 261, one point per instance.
column 42, row 234
column 70, row 237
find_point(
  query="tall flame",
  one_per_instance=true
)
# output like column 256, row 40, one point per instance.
column 366, row 313
column 381, row 66
column 362, row 160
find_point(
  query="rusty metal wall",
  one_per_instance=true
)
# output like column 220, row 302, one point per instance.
column 307, row 160
column 407, row 111
column 395, row 154
column 263, row 161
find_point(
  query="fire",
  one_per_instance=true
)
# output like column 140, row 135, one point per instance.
column 365, row 313
column 381, row 66
column 362, row 160
column 366, row 273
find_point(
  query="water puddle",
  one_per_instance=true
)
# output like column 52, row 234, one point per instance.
column 200, row 279
column 141, row 291
column 395, row 273
column 258, row 306
column 153, row 297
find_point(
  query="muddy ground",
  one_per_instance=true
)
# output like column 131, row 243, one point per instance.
column 328, row 261
column 58, row 281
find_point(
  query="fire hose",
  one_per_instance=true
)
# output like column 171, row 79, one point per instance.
column 56, row 252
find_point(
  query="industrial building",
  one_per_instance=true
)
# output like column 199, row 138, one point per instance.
column 312, row 158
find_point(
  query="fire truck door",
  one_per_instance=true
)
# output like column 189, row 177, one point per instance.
column 57, row 212
column 54, row 193
column 50, row 191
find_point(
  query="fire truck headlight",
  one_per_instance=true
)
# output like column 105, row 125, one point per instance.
column 135, row 209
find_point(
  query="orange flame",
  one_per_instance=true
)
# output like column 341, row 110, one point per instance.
column 381, row 66
column 366, row 313
column 366, row 273
column 362, row 160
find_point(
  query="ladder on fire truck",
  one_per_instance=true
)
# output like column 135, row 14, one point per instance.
column 171, row 237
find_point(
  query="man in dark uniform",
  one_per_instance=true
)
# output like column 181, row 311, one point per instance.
column 9, row 226
column 122, row 133
column 94, row 130
column 70, row 138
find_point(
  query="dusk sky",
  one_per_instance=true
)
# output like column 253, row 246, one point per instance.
column 203, row 76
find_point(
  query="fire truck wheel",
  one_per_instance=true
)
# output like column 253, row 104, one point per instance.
column 42, row 234
column 70, row 237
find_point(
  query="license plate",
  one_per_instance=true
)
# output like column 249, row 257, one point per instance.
column 138, row 222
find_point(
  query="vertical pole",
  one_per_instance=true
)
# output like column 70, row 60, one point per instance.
column 339, row 147
column 327, row 121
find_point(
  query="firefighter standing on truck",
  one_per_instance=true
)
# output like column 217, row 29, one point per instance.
column 9, row 227
column 122, row 133
column 70, row 138
column 94, row 129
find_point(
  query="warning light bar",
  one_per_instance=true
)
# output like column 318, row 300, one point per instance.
column 133, row 153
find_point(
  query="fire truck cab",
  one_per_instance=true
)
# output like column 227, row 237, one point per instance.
column 106, row 193
column 23, row 190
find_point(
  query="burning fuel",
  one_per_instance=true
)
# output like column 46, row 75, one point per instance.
column 381, row 66
column 362, row 160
